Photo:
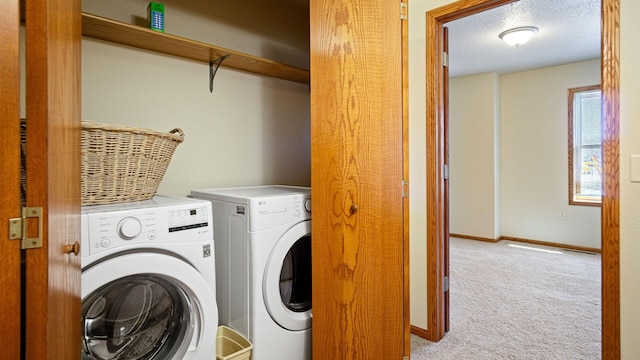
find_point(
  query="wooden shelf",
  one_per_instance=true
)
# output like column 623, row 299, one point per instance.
column 140, row 37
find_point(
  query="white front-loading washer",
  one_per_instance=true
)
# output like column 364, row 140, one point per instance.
column 148, row 280
column 263, row 259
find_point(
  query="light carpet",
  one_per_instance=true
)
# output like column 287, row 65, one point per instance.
column 517, row 303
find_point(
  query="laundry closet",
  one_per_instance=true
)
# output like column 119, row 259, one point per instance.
column 356, row 85
column 246, row 122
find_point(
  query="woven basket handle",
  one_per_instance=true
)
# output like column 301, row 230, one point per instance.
column 177, row 130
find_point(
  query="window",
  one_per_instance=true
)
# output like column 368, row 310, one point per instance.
column 585, row 146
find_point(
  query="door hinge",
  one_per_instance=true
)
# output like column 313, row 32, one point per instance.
column 405, row 188
column 445, row 59
column 403, row 11
column 445, row 172
column 446, row 284
column 18, row 228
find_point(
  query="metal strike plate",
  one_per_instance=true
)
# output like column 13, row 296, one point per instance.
column 36, row 242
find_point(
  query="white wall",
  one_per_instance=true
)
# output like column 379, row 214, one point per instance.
column 474, row 106
column 251, row 130
column 533, row 156
column 629, row 192
column 535, row 181
column 530, row 117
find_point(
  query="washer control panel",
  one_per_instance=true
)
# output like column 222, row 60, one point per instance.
column 113, row 228
column 129, row 228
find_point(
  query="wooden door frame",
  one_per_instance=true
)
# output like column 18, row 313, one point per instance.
column 53, row 85
column 405, row 176
column 10, row 181
column 610, row 78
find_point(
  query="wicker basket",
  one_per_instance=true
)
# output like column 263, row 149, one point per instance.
column 122, row 164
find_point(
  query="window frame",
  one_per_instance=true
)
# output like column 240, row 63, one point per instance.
column 587, row 200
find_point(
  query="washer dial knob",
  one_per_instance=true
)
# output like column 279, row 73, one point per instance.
column 129, row 228
column 307, row 205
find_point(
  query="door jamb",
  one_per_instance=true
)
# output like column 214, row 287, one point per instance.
column 405, row 177
column 610, row 75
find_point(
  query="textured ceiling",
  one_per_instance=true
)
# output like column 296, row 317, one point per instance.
column 569, row 31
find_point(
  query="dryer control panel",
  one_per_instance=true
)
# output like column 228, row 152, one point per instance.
column 270, row 212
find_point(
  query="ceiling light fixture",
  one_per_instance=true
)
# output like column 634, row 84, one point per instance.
column 518, row 36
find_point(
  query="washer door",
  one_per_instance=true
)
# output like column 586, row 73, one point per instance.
column 146, row 306
column 286, row 284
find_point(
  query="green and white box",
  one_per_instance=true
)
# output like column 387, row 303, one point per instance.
column 155, row 16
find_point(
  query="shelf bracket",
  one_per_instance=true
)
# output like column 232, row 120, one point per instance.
column 212, row 71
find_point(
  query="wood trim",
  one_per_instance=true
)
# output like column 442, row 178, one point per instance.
column 445, row 188
column 10, row 180
column 611, row 179
column 418, row 331
column 584, row 203
column 570, row 94
column 405, row 176
column 464, row 8
column 436, row 251
column 476, row 238
column 553, row 244
column 53, row 55
column 528, row 241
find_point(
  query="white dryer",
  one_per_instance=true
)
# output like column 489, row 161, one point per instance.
column 148, row 280
column 263, row 259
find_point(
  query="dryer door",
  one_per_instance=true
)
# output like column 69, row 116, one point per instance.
column 286, row 285
column 146, row 306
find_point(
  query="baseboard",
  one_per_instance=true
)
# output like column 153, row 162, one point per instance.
column 557, row 245
column 417, row 331
column 477, row 238
column 529, row 241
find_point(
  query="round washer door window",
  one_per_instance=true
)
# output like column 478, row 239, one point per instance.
column 136, row 317
column 287, row 281
column 146, row 306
